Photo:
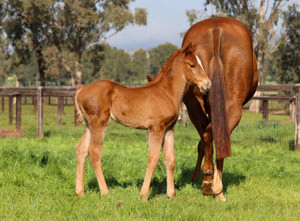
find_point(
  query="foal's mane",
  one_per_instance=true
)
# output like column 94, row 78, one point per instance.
column 167, row 68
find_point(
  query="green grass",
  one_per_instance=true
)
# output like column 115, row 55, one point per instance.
column 37, row 176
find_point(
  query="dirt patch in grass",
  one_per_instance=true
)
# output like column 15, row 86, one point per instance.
column 9, row 133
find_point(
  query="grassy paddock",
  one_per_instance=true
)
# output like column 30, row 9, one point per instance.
column 37, row 176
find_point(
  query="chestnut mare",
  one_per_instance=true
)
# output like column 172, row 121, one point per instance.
column 225, row 48
column 154, row 106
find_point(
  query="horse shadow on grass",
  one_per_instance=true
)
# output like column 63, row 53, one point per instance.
column 112, row 182
column 159, row 184
column 229, row 179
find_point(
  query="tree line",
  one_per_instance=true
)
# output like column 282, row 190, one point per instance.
column 63, row 42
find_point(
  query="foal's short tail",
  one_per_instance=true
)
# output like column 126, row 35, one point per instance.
column 78, row 113
column 217, row 99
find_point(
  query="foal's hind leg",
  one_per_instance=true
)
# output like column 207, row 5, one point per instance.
column 95, row 151
column 156, row 134
column 82, row 153
column 169, row 160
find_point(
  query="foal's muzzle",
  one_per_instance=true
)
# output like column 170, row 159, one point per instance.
column 205, row 86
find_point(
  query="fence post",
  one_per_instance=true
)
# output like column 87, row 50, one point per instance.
column 292, row 111
column 34, row 100
column 265, row 109
column 297, row 130
column 18, row 111
column 40, row 112
column 3, row 103
column 60, row 109
column 10, row 110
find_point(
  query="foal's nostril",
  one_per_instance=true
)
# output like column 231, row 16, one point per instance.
column 208, row 85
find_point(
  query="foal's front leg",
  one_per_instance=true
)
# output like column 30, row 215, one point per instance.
column 156, row 134
column 169, row 160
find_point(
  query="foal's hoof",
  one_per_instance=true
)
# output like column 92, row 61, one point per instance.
column 144, row 197
column 80, row 192
column 171, row 195
column 104, row 193
column 220, row 197
column 206, row 188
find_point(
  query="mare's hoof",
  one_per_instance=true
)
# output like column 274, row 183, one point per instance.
column 206, row 188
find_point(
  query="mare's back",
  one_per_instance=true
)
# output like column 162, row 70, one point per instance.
column 236, row 52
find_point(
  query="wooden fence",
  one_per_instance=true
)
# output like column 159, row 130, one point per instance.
column 38, row 93
column 291, row 93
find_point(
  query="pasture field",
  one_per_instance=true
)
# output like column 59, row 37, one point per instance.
column 37, row 176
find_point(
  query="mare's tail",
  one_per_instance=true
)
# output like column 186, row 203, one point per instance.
column 217, row 100
column 78, row 113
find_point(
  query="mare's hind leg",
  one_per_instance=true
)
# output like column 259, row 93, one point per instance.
column 234, row 115
column 82, row 153
column 156, row 134
column 95, row 150
column 169, row 160
column 217, row 187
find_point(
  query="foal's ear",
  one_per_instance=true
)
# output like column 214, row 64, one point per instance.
column 189, row 49
column 149, row 78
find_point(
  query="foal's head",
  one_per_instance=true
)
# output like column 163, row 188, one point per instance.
column 193, row 70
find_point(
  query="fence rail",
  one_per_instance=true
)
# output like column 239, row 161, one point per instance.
column 61, row 92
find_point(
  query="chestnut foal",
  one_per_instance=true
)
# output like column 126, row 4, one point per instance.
column 154, row 106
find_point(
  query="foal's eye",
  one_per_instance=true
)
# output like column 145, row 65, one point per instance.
column 192, row 66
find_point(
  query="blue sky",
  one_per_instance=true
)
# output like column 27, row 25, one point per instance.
column 166, row 20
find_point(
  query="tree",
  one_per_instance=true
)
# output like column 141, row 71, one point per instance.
column 139, row 65
column 123, row 67
column 159, row 55
column 116, row 64
column 286, row 59
column 60, row 31
column 89, row 23
column 26, row 24
column 4, row 60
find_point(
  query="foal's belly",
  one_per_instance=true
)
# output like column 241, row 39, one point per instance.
column 129, row 120
column 126, row 111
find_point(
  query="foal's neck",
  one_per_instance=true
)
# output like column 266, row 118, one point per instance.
column 173, row 80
